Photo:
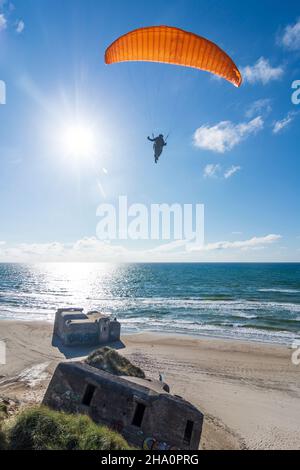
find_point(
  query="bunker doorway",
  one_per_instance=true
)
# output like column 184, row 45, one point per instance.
column 88, row 394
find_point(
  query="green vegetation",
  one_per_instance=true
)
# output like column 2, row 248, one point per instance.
column 3, row 410
column 40, row 428
column 3, row 439
column 3, row 415
column 111, row 361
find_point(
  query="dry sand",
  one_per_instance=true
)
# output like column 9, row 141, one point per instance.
column 249, row 392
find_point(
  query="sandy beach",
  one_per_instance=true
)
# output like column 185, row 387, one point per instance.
column 249, row 392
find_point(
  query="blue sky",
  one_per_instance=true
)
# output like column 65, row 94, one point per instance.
column 234, row 150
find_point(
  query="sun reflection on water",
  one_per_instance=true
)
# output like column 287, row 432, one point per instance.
column 75, row 284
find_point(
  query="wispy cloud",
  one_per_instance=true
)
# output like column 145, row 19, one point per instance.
column 262, row 72
column 262, row 106
column 231, row 171
column 90, row 249
column 225, row 135
column 3, row 22
column 291, row 36
column 243, row 244
column 20, row 26
column 170, row 247
column 278, row 126
column 7, row 19
column 211, row 170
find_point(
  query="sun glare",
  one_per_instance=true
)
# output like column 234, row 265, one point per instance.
column 79, row 141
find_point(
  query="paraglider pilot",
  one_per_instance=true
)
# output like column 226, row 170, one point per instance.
column 159, row 144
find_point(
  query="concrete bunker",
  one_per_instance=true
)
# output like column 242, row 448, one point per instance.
column 76, row 328
column 142, row 410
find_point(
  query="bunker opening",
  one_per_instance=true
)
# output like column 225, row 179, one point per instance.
column 138, row 414
column 88, row 395
column 188, row 432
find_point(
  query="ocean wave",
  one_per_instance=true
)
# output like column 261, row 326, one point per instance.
column 162, row 302
column 238, row 332
column 249, row 316
column 232, row 315
column 201, row 303
column 22, row 315
column 161, row 306
column 283, row 291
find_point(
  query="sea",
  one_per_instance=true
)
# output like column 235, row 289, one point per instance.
column 256, row 302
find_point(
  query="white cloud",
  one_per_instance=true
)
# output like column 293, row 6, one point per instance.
column 261, row 72
column 20, row 26
column 278, row 126
column 91, row 246
column 7, row 10
column 252, row 243
column 291, row 36
column 211, row 170
column 231, row 171
column 172, row 246
column 259, row 107
column 3, row 22
column 90, row 249
column 40, row 249
column 225, row 135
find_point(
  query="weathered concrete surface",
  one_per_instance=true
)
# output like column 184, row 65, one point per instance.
column 144, row 413
column 76, row 328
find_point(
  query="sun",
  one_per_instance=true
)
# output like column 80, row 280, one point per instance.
column 78, row 141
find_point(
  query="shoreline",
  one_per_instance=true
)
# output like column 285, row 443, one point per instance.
column 129, row 332
column 207, row 337
column 248, row 391
column 167, row 334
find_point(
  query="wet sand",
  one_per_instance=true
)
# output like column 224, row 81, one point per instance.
column 249, row 392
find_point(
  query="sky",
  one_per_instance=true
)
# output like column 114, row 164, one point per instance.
column 235, row 150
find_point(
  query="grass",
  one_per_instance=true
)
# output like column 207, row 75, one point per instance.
column 40, row 428
column 3, row 410
column 3, row 416
column 3, row 439
column 111, row 361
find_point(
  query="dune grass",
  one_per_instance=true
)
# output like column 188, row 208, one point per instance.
column 111, row 361
column 3, row 410
column 3, row 415
column 3, row 439
column 39, row 428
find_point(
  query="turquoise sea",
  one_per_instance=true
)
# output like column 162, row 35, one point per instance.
column 244, row 301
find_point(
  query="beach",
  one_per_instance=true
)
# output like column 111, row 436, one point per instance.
column 249, row 392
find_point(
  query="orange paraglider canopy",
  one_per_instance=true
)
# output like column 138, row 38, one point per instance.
column 173, row 46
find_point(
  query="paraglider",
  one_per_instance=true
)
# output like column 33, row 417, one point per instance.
column 159, row 144
column 172, row 45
